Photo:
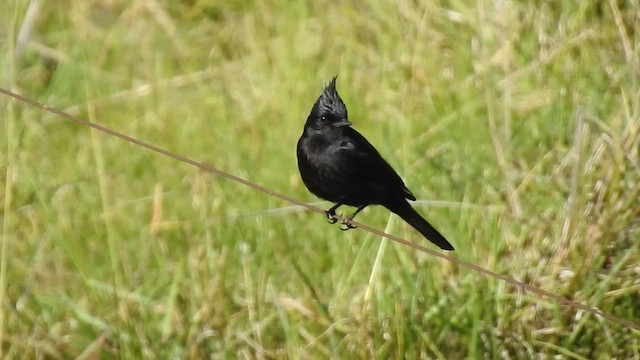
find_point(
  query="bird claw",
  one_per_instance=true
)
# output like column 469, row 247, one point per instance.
column 346, row 225
column 330, row 217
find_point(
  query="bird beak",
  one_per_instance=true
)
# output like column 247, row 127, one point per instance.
column 343, row 122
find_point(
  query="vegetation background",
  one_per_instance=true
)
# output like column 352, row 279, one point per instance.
column 517, row 120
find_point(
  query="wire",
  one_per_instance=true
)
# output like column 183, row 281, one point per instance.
column 544, row 293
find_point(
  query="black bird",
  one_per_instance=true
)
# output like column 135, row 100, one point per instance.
column 338, row 164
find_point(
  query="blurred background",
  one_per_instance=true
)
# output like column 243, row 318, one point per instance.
column 515, row 123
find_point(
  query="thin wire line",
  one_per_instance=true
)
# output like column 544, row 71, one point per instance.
column 210, row 168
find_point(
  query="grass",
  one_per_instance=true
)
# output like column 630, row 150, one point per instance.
column 520, row 119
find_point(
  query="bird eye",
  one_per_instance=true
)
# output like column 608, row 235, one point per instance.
column 323, row 119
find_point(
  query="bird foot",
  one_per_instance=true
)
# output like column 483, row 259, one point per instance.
column 346, row 225
column 330, row 217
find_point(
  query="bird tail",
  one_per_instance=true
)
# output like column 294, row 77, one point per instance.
column 403, row 209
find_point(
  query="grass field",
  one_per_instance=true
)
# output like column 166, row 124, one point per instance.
column 516, row 122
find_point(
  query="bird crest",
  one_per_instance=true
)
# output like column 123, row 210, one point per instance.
column 329, row 102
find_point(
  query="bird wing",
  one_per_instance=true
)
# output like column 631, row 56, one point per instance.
column 366, row 165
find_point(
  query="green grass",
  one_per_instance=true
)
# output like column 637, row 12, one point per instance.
column 523, row 118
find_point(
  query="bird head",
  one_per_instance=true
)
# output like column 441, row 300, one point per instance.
column 329, row 111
